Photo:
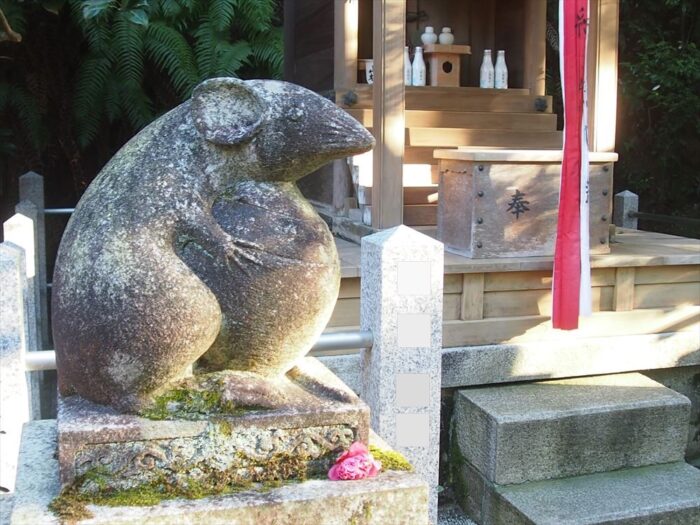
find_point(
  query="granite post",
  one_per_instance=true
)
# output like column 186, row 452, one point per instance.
column 19, row 230
column 31, row 189
column 14, row 395
column 44, row 383
column 401, row 304
column 624, row 203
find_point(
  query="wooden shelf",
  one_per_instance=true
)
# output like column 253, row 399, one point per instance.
column 468, row 119
column 453, row 49
column 505, row 155
column 465, row 99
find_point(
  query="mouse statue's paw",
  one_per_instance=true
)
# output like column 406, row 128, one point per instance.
column 226, row 393
column 240, row 253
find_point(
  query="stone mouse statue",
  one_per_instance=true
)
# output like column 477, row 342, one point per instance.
column 194, row 242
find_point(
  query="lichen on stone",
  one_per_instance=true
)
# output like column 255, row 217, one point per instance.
column 390, row 459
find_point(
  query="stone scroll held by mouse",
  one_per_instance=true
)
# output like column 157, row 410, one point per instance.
column 193, row 246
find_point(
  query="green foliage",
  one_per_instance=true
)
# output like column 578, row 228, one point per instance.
column 659, row 98
column 186, row 42
column 126, row 62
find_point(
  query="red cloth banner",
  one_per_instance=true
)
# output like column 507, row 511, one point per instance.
column 571, row 264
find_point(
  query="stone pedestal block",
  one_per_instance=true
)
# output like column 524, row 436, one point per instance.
column 128, row 450
column 391, row 498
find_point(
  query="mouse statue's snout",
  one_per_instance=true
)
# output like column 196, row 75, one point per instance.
column 307, row 129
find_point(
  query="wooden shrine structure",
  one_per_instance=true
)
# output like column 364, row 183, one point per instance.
column 498, row 274
column 326, row 44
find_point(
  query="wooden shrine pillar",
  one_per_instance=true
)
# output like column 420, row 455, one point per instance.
column 345, row 42
column 388, row 121
column 602, row 74
column 535, row 46
column 346, row 13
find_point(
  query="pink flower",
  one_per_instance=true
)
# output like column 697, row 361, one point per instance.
column 356, row 463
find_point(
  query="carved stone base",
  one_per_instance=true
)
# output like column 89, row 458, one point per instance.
column 391, row 498
column 108, row 450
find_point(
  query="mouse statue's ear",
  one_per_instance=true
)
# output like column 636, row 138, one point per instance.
column 227, row 111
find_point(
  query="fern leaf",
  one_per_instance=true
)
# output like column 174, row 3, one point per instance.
column 169, row 50
column 15, row 14
column 256, row 16
column 230, row 58
column 268, row 53
column 128, row 50
column 26, row 111
column 205, row 47
column 111, row 101
column 170, row 8
column 87, row 106
column 221, row 13
column 137, row 107
column 97, row 8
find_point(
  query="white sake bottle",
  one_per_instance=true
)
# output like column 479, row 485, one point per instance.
column 486, row 76
column 407, row 69
column 501, row 72
column 418, row 73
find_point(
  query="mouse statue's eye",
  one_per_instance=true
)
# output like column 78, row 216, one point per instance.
column 295, row 114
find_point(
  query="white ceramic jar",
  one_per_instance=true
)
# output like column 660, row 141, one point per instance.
column 446, row 36
column 429, row 36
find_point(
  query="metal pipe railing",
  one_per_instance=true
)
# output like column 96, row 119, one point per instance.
column 59, row 211
column 46, row 359
column 344, row 341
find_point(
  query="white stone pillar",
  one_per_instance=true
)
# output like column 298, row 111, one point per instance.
column 19, row 230
column 401, row 304
column 14, row 388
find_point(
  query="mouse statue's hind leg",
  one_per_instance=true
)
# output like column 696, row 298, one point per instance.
column 122, row 342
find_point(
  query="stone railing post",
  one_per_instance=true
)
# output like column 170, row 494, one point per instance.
column 19, row 231
column 401, row 304
column 624, row 203
column 31, row 189
column 14, row 388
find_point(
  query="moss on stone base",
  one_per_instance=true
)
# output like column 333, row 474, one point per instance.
column 93, row 486
column 390, row 459
column 182, row 403
column 196, row 398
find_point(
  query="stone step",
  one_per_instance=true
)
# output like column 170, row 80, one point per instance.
column 666, row 494
column 557, row 429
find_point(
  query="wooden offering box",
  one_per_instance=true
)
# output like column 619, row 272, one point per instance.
column 444, row 63
column 504, row 203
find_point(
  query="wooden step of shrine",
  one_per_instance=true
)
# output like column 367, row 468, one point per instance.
column 453, row 99
column 411, row 195
column 413, row 214
column 469, row 120
column 452, row 137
